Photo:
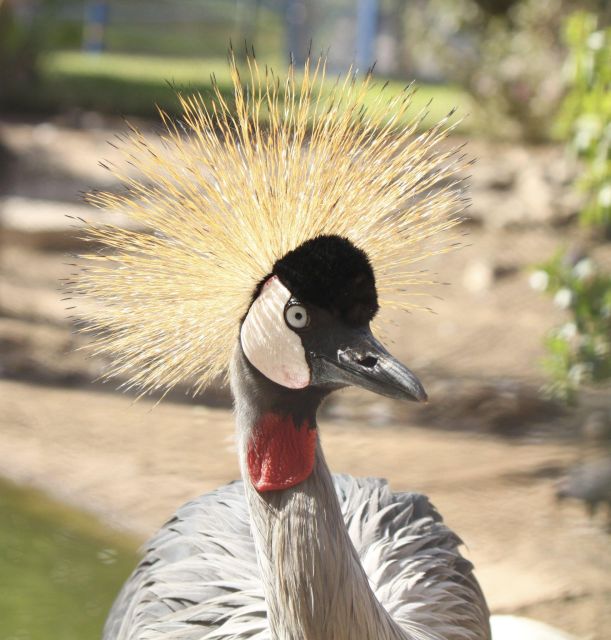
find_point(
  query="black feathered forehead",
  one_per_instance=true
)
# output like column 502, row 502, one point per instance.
column 331, row 273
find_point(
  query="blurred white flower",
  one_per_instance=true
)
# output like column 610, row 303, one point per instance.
column 601, row 348
column 604, row 196
column 583, row 139
column 580, row 372
column 588, row 128
column 568, row 331
column 584, row 269
column 596, row 40
column 538, row 280
column 563, row 298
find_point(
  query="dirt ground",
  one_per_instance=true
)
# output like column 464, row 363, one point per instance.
column 133, row 465
column 487, row 449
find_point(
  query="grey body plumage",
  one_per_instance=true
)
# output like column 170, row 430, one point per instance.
column 332, row 558
column 199, row 576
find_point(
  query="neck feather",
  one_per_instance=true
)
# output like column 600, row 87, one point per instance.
column 315, row 586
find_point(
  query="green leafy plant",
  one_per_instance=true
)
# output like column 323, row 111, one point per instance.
column 579, row 351
column 505, row 53
column 586, row 113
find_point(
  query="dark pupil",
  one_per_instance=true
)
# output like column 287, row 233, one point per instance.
column 298, row 316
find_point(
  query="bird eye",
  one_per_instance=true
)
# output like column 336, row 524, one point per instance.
column 296, row 316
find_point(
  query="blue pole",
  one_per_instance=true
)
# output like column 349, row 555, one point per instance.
column 96, row 20
column 366, row 29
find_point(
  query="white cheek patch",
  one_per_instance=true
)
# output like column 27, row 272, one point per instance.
column 270, row 346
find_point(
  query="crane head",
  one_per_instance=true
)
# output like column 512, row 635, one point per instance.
column 292, row 178
column 308, row 324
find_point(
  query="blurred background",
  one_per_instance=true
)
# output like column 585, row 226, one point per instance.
column 514, row 447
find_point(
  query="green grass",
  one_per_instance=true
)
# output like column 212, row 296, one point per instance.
column 124, row 84
column 60, row 569
column 135, row 68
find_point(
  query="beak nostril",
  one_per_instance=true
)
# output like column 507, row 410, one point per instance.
column 368, row 361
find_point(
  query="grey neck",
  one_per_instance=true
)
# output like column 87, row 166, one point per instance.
column 315, row 586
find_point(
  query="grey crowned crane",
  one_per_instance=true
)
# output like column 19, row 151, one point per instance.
column 274, row 229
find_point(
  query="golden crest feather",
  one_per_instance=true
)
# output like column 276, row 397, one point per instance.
column 228, row 189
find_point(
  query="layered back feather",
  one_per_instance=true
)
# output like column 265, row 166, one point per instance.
column 229, row 188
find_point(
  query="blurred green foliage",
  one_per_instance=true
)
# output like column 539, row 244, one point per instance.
column 506, row 53
column 586, row 114
column 23, row 37
column 60, row 569
column 43, row 69
column 18, row 51
column 146, row 62
column 579, row 351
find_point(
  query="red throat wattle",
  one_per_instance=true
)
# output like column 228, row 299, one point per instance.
column 280, row 453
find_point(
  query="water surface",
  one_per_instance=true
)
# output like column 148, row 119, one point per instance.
column 60, row 569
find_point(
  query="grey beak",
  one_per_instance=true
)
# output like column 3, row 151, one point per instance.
column 355, row 357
